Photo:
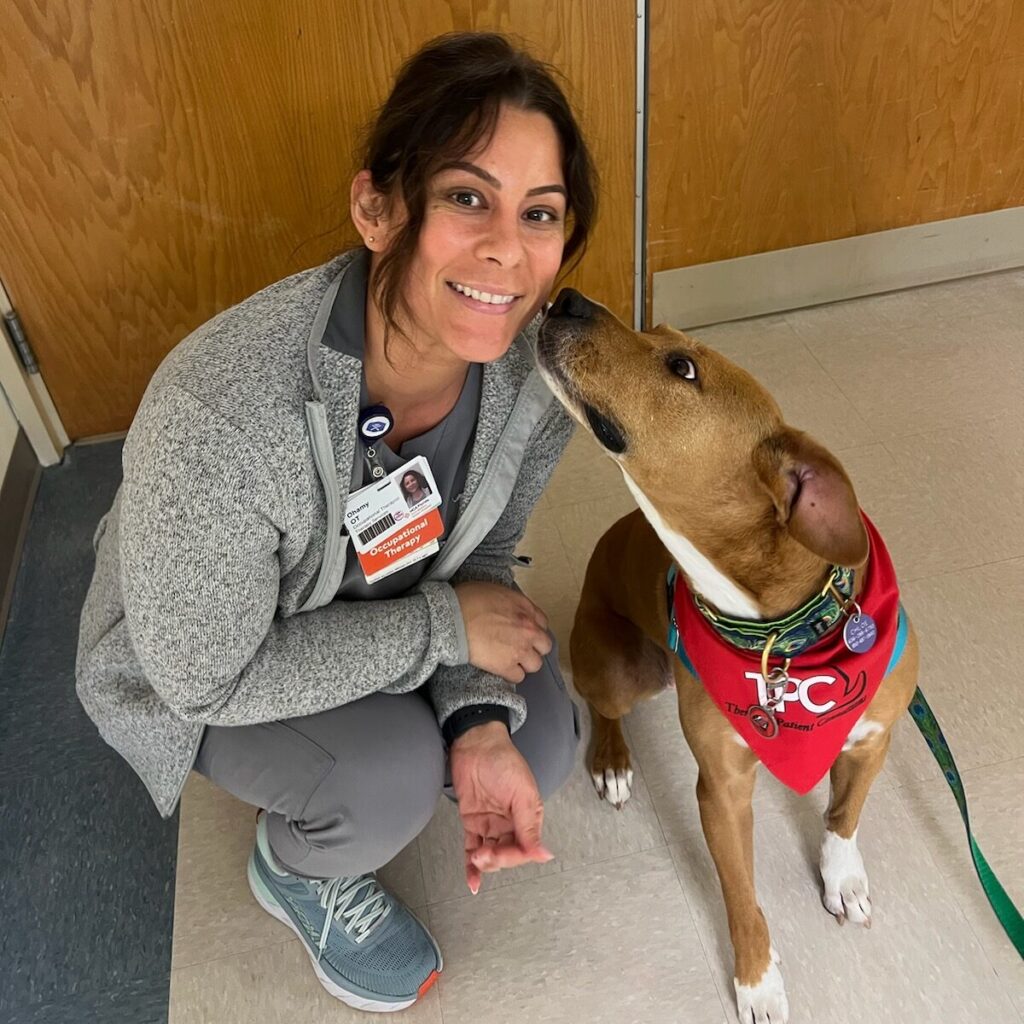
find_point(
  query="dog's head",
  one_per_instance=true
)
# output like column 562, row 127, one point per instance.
column 703, row 442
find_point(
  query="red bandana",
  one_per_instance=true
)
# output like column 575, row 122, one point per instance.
column 829, row 686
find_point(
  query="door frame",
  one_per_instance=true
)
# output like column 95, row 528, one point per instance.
column 29, row 399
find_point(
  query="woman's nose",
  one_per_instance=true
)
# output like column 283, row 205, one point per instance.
column 501, row 242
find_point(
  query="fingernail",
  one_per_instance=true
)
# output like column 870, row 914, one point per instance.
column 546, row 854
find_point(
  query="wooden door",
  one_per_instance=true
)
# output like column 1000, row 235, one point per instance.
column 162, row 159
column 776, row 123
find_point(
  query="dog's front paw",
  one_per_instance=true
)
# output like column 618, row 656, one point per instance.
column 614, row 786
column 765, row 1002
column 846, row 882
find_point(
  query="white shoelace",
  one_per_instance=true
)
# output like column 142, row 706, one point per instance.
column 337, row 896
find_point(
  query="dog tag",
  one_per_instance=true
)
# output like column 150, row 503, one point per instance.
column 763, row 721
column 860, row 633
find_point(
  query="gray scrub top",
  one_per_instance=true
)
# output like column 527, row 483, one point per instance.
column 447, row 446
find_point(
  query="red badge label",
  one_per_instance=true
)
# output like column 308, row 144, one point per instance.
column 411, row 543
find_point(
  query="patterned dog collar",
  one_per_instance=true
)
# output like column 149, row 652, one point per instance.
column 795, row 632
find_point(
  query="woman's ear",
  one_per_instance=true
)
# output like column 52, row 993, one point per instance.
column 368, row 209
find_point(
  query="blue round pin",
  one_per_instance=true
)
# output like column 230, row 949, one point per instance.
column 860, row 633
column 374, row 422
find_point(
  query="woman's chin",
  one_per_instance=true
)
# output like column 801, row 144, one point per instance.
column 481, row 348
column 480, row 339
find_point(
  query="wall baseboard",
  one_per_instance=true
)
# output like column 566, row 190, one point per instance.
column 809, row 275
column 17, row 492
column 117, row 435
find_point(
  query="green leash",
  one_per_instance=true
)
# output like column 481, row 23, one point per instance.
column 1008, row 914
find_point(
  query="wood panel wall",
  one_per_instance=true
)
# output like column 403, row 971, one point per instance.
column 162, row 159
column 776, row 123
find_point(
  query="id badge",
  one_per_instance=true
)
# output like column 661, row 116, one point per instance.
column 408, row 545
column 394, row 522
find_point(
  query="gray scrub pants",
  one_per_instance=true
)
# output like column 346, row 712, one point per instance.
column 347, row 789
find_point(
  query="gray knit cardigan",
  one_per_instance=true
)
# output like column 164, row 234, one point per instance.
column 216, row 566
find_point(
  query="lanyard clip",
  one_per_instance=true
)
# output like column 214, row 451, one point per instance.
column 373, row 463
column 375, row 422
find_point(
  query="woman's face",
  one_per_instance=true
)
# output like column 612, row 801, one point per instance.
column 410, row 484
column 492, row 239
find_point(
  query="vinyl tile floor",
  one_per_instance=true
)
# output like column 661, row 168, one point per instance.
column 919, row 394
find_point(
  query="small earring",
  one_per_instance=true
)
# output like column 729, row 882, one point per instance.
column 371, row 239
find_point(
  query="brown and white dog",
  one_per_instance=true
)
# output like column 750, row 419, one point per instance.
column 759, row 518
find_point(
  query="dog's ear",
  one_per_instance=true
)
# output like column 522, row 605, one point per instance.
column 813, row 497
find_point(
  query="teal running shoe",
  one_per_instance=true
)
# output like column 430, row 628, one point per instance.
column 368, row 949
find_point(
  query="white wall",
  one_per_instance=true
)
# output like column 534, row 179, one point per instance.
column 806, row 275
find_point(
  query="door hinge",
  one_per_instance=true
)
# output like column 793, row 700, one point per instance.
column 19, row 338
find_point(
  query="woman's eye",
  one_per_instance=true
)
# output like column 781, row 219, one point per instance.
column 682, row 366
column 542, row 216
column 468, row 199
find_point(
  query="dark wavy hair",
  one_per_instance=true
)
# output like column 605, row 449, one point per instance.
column 444, row 103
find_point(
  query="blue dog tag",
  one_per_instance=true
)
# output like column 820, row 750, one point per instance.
column 860, row 633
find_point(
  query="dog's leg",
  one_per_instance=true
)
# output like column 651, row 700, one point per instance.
column 614, row 666
column 846, row 894
column 724, row 794
column 610, row 766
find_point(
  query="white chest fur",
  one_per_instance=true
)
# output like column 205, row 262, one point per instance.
column 713, row 585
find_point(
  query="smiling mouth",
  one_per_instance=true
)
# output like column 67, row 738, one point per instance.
column 491, row 298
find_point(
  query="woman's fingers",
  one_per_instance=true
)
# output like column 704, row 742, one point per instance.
column 505, row 630
column 523, row 846
column 541, row 619
column 473, row 876
column 531, row 662
column 532, row 611
column 486, row 845
column 497, row 858
column 495, row 854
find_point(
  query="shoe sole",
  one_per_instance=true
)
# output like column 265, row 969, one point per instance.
column 266, row 900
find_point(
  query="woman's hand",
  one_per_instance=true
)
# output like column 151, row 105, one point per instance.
column 507, row 632
column 501, row 810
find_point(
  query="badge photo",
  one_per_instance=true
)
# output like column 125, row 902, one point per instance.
column 417, row 486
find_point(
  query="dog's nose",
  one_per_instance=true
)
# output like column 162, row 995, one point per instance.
column 570, row 302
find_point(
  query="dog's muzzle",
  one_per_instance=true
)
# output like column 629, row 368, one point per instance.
column 561, row 326
column 569, row 304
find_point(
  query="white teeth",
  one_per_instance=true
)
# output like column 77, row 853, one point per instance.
column 494, row 300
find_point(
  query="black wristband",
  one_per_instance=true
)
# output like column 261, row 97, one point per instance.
column 461, row 721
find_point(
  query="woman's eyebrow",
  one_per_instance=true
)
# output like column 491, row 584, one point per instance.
column 464, row 165
column 540, row 190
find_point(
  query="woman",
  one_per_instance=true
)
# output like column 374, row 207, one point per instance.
column 414, row 487
column 230, row 626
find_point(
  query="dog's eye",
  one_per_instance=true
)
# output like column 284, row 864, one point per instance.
column 607, row 432
column 682, row 366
